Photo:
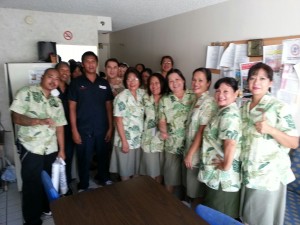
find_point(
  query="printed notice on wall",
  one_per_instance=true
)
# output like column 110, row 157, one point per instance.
column 34, row 76
column 291, row 51
column 233, row 55
column 213, row 56
column 272, row 55
column 289, row 89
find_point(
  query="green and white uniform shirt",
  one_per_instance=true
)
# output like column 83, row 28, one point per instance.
column 151, row 141
column 132, row 112
column 175, row 112
column 31, row 102
column 202, row 111
column 225, row 125
column 266, row 163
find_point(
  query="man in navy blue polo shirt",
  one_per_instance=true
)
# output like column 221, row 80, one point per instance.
column 90, row 102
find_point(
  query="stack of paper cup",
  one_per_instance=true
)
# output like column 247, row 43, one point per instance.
column 55, row 174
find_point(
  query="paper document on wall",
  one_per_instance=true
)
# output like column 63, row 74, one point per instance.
column 227, row 58
column 233, row 55
column 276, row 84
column 297, row 102
column 291, row 51
column 240, row 55
column 290, row 84
column 272, row 55
column 213, row 56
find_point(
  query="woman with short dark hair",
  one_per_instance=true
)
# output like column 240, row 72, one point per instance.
column 173, row 112
column 220, row 153
column 166, row 64
column 129, row 118
column 203, row 109
column 269, row 133
column 152, row 145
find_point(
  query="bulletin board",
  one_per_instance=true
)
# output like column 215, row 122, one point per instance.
column 266, row 41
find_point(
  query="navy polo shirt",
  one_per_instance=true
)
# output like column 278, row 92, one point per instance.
column 91, row 101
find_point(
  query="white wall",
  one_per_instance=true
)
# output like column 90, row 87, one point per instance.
column 19, row 44
column 186, row 36
column 103, row 50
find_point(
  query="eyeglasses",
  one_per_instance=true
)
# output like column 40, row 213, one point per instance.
column 132, row 80
column 167, row 63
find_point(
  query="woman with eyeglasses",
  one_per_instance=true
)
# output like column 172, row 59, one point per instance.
column 269, row 133
column 173, row 113
column 129, row 117
column 166, row 64
column 219, row 167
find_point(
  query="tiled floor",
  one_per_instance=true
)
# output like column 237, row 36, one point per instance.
column 10, row 207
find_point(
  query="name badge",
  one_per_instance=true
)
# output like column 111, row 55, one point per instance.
column 102, row 87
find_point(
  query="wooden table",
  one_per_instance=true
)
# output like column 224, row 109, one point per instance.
column 139, row 201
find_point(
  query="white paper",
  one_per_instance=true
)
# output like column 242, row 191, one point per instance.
column 290, row 79
column 34, row 76
column 276, row 83
column 272, row 55
column 291, row 51
column 297, row 102
column 213, row 56
column 233, row 55
column 240, row 55
column 227, row 59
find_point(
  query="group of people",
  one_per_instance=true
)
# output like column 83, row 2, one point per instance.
column 232, row 159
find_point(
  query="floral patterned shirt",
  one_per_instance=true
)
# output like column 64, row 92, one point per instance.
column 151, row 141
column 132, row 113
column 225, row 125
column 265, row 162
column 175, row 111
column 202, row 111
column 31, row 102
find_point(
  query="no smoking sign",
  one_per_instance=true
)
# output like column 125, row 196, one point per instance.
column 68, row 35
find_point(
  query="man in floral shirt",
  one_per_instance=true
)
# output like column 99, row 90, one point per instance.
column 41, row 118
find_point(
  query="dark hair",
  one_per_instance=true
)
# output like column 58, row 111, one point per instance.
column 147, row 70
column 140, row 64
column 177, row 71
column 233, row 83
column 206, row 72
column 162, row 82
column 49, row 69
column 123, row 65
column 87, row 54
column 60, row 64
column 111, row 60
column 135, row 72
column 166, row 57
column 255, row 68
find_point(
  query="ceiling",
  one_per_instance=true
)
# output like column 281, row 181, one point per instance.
column 123, row 13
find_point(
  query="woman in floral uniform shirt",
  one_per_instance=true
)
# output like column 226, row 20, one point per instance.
column 202, row 110
column 268, row 134
column 129, row 119
column 173, row 112
column 220, row 165
column 152, row 145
